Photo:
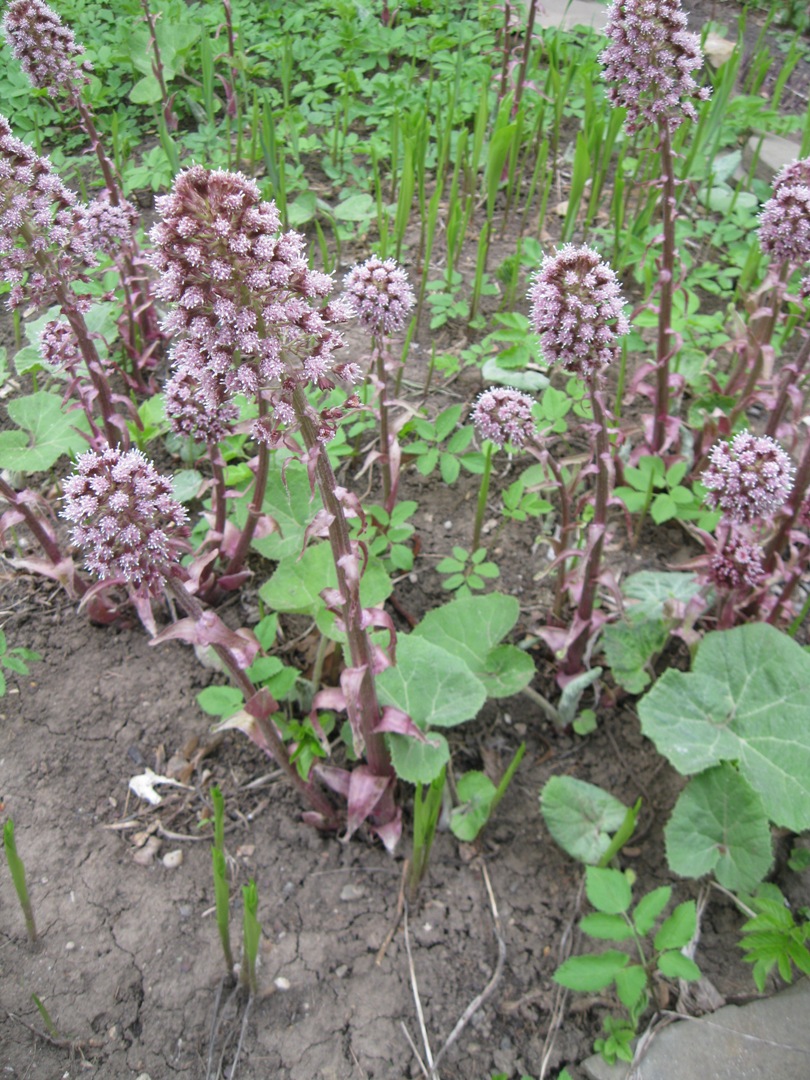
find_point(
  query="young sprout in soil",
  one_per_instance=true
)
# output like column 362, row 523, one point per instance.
column 222, row 892
column 15, row 865
column 251, row 933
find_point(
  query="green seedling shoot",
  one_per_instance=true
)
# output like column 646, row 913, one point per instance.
column 221, row 887
column 251, row 932
column 15, row 865
column 427, row 805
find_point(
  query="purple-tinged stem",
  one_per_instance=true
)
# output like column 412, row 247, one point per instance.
column 314, row 796
column 362, row 659
column 576, row 651
column 666, row 283
column 256, row 503
column 41, row 534
column 157, row 68
column 790, row 378
column 800, row 486
column 385, row 460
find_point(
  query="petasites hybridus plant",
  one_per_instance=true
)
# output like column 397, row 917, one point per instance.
column 577, row 310
column 648, row 69
column 248, row 317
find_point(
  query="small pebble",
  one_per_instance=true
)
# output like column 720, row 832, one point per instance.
column 70, row 946
column 342, row 971
column 172, row 859
column 448, row 525
column 352, row 892
column 281, row 983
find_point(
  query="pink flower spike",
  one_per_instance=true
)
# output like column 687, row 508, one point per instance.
column 503, row 415
column 578, row 310
column 748, row 478
column 47, row 50
column 649, row 63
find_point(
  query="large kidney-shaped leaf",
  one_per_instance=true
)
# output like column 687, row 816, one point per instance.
column 472, row 628
column 747, row 700
column 288, row 499
column 719, row 825
column 432, row 686
column 580, row 816
column 297, row 583
column 419, row 762
column 47, row 433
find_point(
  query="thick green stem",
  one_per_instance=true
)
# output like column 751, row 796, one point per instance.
column 483, row 495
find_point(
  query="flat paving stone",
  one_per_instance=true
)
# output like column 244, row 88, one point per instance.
column 764, row 1040
column 576, row 13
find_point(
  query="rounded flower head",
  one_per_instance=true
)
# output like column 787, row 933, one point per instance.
column 504, row 415
column 46, row 49
column 737, row 564
column 250, row 311
column 578, row 311
column 784, row 226
column 382, row 294
column 748, row 478
column 125, row 518
column 649, row 61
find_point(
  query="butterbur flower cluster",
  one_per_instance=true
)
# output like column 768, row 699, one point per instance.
column 43, row 235
column 747, row 479
column 578, row 311
column 251, row 313
column 46, row 49
column 784, row 229
column 189, row 415
column 737, row 564
column 110, row 227
column 382, row 294
column 125, row 517
column 649, row 63
column 58, row 346
column 503, row 415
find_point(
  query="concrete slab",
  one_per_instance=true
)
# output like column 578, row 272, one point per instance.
column 765, row 1040
column 569, row 13
column 775, row 152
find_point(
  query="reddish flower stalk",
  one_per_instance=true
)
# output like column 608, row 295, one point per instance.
column 383, row 297
column 157, row 67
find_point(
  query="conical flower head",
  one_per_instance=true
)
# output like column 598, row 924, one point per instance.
column 784, row 228
column 382, row 294
column 748, row 478
column 43, row 228
column 737, row 564
column 125, row 517
column 250, row 311
column 47, row 50
column 578, row 311
column 504, row 415
column 649, row 63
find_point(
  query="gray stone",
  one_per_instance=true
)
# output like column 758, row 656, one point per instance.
column 765, row 1040
column 565, row 14
column 774, row 153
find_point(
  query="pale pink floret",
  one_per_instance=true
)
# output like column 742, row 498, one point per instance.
column 47, row 50
column 125, row 517
column 649, row 61
column 382, row 294
column 578, row 310
column 784, row 228
column 748, row 478
column 58, row 346
column 503, row 415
